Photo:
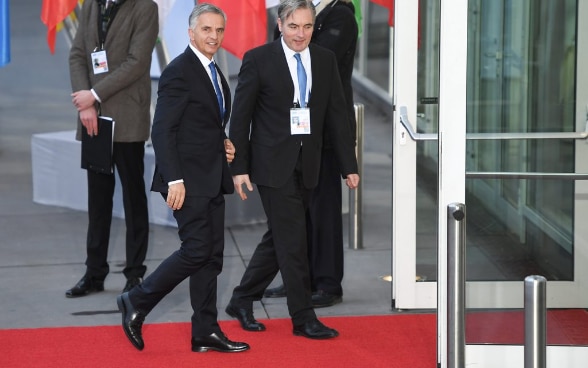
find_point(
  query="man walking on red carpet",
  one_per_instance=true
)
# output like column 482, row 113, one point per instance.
column 288, row 96
column 192, row 174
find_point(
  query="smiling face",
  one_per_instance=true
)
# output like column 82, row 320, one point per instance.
column 297, row 29
column 208, row 33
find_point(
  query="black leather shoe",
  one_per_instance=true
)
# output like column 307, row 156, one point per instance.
column 315, row 330
column 245, row 317
column 277, row 292
column 322, row 299
column 217, row 342
column 132, row 320
column 84, row 287
column 131, row 283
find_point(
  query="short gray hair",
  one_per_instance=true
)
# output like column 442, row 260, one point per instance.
column 287, row 7
column 201, row 9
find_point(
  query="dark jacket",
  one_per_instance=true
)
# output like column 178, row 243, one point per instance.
column 260, row 122
column 188, row 133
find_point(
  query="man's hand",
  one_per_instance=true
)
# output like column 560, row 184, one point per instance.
column 176, row 193
column 230, row 150
column 352, row 181
column 89, row 118
column 238, row 181
column 83, row 99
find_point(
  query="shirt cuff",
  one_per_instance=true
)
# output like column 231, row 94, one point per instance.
column 175, row 182
column 95, row 95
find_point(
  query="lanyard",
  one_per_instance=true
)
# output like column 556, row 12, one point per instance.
column 105, row 17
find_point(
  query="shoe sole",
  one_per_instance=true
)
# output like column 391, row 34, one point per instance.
column 204, row 349
column 298, row 333
column 123, row 311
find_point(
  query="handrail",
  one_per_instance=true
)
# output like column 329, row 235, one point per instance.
column 487, row 136
column 456, row 284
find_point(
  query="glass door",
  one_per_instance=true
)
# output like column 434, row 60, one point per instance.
column 499, row 109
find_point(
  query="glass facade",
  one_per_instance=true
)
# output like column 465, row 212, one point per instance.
column 521, row 79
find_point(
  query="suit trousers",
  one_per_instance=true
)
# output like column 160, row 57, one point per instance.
column 128, row 161
column 283, row 248
column 325, row 228
column 200, row 257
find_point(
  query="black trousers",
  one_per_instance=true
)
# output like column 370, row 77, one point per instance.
column 201, row 223
column 282, row 248
column 325, row 228
column 128, row 161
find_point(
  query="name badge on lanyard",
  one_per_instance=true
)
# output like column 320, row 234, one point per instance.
column 99, row 62
column 299, row 120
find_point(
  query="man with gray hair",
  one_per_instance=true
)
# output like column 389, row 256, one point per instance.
column 192, row 154
column 288, row 96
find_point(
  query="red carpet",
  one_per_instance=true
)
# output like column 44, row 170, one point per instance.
column 564, row 327
column 375, row 341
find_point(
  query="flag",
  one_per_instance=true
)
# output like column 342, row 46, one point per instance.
column 4, row 33
column 246, row 25
column 358, row 17
column 53, row 13
column 390, row 5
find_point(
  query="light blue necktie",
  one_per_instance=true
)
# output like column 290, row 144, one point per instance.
column 301, row 80
column 219, row 95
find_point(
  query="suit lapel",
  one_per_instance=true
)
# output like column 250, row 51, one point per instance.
column 202, row 75
column 282, row 70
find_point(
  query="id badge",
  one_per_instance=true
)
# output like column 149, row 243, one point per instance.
column 299, row 121
column 99, row 62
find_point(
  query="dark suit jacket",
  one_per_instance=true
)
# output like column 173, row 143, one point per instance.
column 125, row 90
column 188, row 133
column 263, row 99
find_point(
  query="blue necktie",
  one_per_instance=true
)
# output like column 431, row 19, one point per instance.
column 219, row 95
column 301, row 80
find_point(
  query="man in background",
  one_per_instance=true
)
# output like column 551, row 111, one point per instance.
column 110, row 61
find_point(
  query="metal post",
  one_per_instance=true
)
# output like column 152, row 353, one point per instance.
column 162, row 53
column 355, row 196
column 535, row 322
column 456, row 235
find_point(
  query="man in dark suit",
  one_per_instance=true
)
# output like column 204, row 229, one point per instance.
column 192, row 173
column 110, row 60
column 335, row 29
column 279, row 137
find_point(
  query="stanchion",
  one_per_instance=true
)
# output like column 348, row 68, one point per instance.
column 355, row 195
column 535, row 322
column 456, row 249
